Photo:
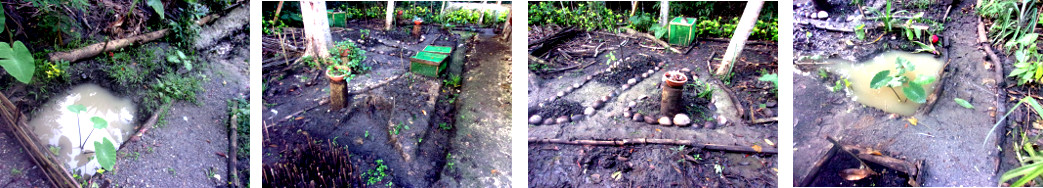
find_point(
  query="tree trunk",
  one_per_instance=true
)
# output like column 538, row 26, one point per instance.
column 277, row 10
column 389, row 18
column 633, row 8
column 507, row 26
column 664, row 11
column 316, row 29
column 443, row 7
column 742, row 32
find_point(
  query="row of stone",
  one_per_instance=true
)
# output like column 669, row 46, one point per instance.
column 597, row 104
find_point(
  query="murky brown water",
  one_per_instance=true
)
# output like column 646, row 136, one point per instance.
column 56, row 126
column 860, row 75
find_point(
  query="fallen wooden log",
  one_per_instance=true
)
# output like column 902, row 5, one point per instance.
column 233, row 147
column 97, row 48
column 148, row 124
column 643, row 141
column 633, row 32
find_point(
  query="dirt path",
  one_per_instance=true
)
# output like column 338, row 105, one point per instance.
column 949, row 138
column 481, row 149
column 187, row 151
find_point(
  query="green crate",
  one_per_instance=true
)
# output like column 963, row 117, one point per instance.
column 427, row 63
column 444, row 50
column 682, row 31
column 337, row 19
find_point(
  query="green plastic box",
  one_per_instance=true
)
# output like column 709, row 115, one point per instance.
column 682, row 31
column 337, row 19
column 444, row 50
column 427, row 63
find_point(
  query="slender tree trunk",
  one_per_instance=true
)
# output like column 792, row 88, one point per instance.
column 441, row 12
column 633, row 8
column 389, row 18
column 507, row 26
column 664, row 11
column 316, row 29
column 742, row 32
column 277, row 10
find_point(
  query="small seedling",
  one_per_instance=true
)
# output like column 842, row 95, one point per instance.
column 912, row 89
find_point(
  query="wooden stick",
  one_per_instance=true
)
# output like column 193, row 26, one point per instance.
column 55, row 171
column 233, row 147
column 150, row 123
column 765, row 120
column 643, row 141
column 97, row 48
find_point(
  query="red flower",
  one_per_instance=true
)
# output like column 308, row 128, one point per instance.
column 110, row 54
column 934, row 39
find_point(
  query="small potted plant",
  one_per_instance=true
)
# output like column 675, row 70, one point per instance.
column 337, row 70
column 418, row 20
column 675, row 79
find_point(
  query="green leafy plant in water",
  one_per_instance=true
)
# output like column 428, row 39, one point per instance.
column 913, row 90
column 105, row 151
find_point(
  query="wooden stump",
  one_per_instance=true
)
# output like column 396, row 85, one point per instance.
column 338, row 94
column 669, row 105
column 416, row 30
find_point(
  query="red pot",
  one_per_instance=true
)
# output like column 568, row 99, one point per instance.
column 418, row 22
column 675, row 79
column 336, row 78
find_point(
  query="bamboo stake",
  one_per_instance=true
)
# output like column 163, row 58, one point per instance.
column 13, row 119
column 644, row 141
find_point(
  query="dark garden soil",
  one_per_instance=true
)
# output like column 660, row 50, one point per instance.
column 191, row 142
column 950, row 139
column 424, row 130
column 565, row 95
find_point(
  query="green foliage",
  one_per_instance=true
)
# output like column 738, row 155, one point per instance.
column 643, row 21
column 157, row 5
column 766, row 30
column 963, row 103
column 76, row 108
column 51, row 16
column 913, row 90
column 453, row 81
column 1010, row 21
column 860, row 31
column 184, row 30
column 99, row 123
column 445, row 126
column 170, row 87
column 463, row 16
column 273, row 27
column 1031, row 164
column 1027, row 67
column 355, row 56
column 17, row 61
column 586, row 15
column 52, row 70
column 105, row 152
column 718, row 28
column 376, row 175
column 179, row 57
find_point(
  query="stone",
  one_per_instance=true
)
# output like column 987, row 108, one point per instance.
column 656, row 68
column 605, row 98
column 595, row 178
column 823, row 14
column 627, row 114
column 771, row 104
column 632, row 104
column 632, row 81
column 625, row 86
column 597, row 104
column 588, row 111
column 577, row 117
column 665, row 121
column 686, row 69
column 650, row 120
column 644, row 75
column 650, row 71
column 562, row 120
column 638, row 117
column 535, row 119
column 561, row 94
column 708, row 125
column 576, row 85
column 548, row 121
column 541, row 104
column 682, row 120
column 721, row 120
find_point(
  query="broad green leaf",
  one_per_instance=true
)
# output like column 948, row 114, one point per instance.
column 173, row 59
column 924, row 79
column 880, row 79
column 17, row 61
column 99, row 123
column 158, row 6
column 105, row 152
column 188, row 65
column 915, row 93
column 1028, row 39
column 903, row 66
column 1035, row 106
column 181, row 55
column 3, row 19
column 1021, row 56
column 963, row 103
column 1034, row 170
column 77, row 108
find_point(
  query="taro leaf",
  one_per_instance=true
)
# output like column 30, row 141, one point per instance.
column 17, row 61
column 77, row 108
column 903, row 66
column 924, row 79
column 963, row 103
column 880, row 79
column 173, row 59
column 915, row 93
column 181, row 55
column 99, row 123
column 158, row 6
column 3, row 19
column 105, row 152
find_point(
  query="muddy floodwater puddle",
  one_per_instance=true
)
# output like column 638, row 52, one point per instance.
column 57, row 127
column 860, row 74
